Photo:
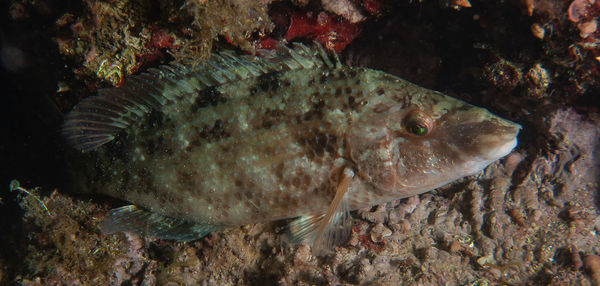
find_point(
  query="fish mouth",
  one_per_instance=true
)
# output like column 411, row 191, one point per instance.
column 492, row 146
column 502, row 150
column 502, row 144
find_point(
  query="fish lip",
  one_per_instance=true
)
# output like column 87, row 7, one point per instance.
column 510, row 142
column 517, row 127
column 503, row 149
column 497, row 153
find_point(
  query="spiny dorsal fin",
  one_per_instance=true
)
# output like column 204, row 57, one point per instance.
column 97, row 120
column 144, row 223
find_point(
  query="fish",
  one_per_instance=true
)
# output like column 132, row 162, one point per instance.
column 285, row 134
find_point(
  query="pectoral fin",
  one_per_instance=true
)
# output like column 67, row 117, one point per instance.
column 324, row 231
column 145, row 223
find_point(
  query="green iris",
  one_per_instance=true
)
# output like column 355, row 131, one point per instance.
column 417, row 129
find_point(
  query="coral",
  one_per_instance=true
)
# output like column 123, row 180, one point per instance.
column 330, row 30
column 234, row 20
column 16, row 186
column 373, row 7
column 539, row 80
column 84, row 256
column 115, row 39
column 504, row 74
column 344, row 8
column 326, row 29
column 110, row 36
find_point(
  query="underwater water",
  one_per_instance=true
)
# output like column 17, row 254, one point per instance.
column 531, row 217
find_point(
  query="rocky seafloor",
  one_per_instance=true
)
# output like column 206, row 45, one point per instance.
column 531, row 218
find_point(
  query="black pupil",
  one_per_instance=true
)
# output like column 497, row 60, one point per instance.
column 418, row 129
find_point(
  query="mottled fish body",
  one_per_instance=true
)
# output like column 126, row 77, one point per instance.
column 244, row 139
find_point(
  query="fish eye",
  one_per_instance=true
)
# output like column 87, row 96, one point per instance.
column 417, row 129
column 418, row 124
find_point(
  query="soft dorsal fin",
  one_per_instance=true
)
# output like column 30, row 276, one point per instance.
column 97, row 120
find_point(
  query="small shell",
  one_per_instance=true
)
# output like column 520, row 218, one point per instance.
column 461, row 3
column 530, row 6
column 486, row 261
column 538, row 31
column 587, row 28
column 579, row 9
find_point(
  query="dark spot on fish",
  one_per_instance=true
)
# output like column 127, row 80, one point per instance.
column 117, row 149
column 209, row 133
column 317, row 107
column 380, row 108
column 296, row 182
column 239, row 183
column 461, row 108
column 294, row 203
column 237, row 195
column 271, row 117
column 338, row 92
column 226, row 148
column 126, row 178
column 155, row 118
column 323, row 79
column 153, row 144
column 286, row 196
column 315, row 113
column 401, row 96
column 279, row 171
column 186, row 178
column 267, row 83
column 274, row 113
column 286, row 82
column 311, row 82
column 267, row 124
column 145, row 183
column 352, row 103
column 306, row 178
column 317, row 142
column 380, row 91
column 188, row 208
column 348, row 90
column 350, row 72
column 215, row 132
column 208, row 97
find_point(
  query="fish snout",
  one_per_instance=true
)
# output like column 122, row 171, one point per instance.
column 501, row 142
